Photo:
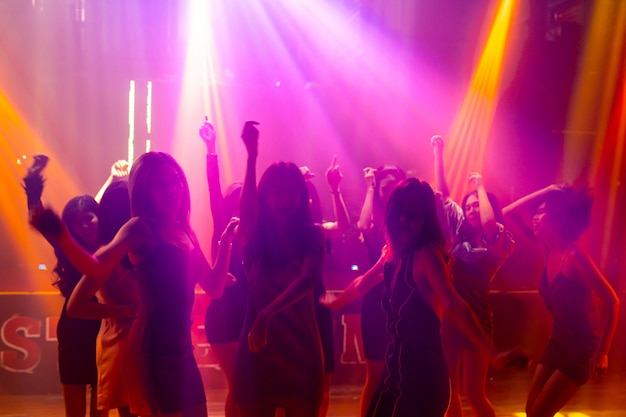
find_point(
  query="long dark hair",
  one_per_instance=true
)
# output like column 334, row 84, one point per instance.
column 300, row 223
column 144, row 168
column 466, row 232
column 114, row 213
column 420, row 195
column 572, row 206
column 67, row 276
column 114, row 210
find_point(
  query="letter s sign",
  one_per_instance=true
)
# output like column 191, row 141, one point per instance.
column 15, row 334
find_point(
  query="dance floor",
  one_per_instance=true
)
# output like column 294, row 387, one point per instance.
column 605, row 397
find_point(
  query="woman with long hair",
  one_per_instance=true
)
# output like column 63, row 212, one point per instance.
column 168, row 263
column 279, row 361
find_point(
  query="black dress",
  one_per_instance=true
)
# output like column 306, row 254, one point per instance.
column 415, row 380
column 162, row 371
column 574, row 340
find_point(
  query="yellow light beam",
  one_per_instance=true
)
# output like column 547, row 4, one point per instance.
column 467, row 140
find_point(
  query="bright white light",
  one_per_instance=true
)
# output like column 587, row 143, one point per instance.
column 42, row 267
column 277, row 83
column 131, row 122
column 149, row 109
column 354, row 267
column 148, row 145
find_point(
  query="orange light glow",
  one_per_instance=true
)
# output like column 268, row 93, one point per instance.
column 465, row 147
column 598, row 108
column 17, row 139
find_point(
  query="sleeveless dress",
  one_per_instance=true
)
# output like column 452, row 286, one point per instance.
column 288, row 371
column 574, row 339
column 373, row 318
column 77, row 349
column 111, row 345
column 76, row 339
column 162, row 371
column 224, row 317
column 415, row 380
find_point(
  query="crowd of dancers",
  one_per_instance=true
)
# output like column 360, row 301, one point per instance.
column 129, row 261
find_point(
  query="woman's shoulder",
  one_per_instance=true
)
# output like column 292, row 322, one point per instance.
column 137, row 232
column 430, row 252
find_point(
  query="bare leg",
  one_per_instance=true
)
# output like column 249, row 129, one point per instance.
column 475, row 365
column 453, row 362
column 540, row 377
column 325, row 395
column 554, row 394
column 75, row 399
column 226, row 353
column 374, row 372
column 93, row 404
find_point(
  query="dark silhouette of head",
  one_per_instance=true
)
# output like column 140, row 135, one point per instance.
column 411, row 217
column 114, row 210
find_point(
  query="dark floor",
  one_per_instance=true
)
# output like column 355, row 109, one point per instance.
column 604, row 397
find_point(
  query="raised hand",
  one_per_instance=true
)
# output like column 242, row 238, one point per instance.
column 334, row 175
column 120, row 169
column 436, row 142
column 306, row 172
column 476, row 179
column 207, row 133
column 369, row 174
column 39, row 163
column 250, row 136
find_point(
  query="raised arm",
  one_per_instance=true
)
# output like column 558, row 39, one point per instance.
column 487, row 216
column 440, row 184
column 248, row 210
column 367, row 210
column 216, row 198
column 342, row 219
column 523, row 204
column 49, row 224
column 119, row 171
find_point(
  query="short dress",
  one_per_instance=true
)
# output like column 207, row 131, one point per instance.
column 111, row 345
column 77, row 349
column 574, row 339
column 288, row 371
column 373, row 317
column 415, row 380
column 161, row 369
column 225, row 315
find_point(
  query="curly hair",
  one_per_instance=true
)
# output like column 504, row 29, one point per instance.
column 572, row 207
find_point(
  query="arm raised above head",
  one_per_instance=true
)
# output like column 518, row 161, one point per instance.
column 248, row 211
